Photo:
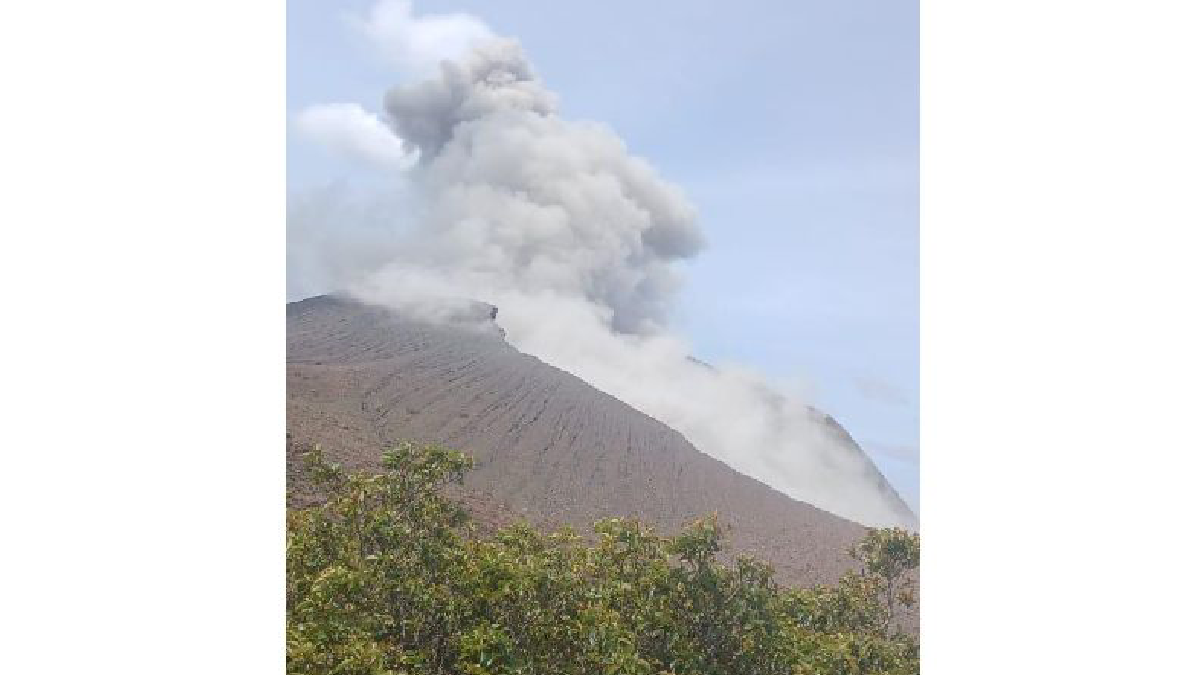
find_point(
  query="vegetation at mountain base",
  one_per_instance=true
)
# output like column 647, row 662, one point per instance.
column 385, row 577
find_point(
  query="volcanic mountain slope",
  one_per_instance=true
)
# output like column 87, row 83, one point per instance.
column 548, row 447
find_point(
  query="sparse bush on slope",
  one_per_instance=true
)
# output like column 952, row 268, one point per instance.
column 384, row 578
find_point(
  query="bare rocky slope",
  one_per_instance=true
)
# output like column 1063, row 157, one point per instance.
column 549, row 448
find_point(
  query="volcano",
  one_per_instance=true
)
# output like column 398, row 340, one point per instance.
column 549, row 448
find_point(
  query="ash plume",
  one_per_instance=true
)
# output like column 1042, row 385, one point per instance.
column 579, row 244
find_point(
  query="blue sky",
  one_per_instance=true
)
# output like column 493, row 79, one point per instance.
column 792, row 126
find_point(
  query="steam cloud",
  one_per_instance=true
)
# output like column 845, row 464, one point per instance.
column 417, row 45
column 578, row 243
column 356, row 133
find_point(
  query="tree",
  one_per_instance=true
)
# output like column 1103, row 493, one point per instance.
column 891, row 555
column 384, row 578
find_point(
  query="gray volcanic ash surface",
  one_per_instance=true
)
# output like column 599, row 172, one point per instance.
column 549, row 448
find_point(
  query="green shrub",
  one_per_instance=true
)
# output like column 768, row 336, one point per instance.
column 383, row 578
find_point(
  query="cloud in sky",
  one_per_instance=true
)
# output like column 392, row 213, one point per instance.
column 875, row 389
column 416, row 45
column 351, row 131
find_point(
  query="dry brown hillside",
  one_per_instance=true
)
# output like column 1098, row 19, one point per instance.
column 548, row 447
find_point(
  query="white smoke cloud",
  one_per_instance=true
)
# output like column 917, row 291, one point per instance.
column 516, row 197
column 339, row 232
column 355, row 133
column 578, row 243
column 417, row 45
